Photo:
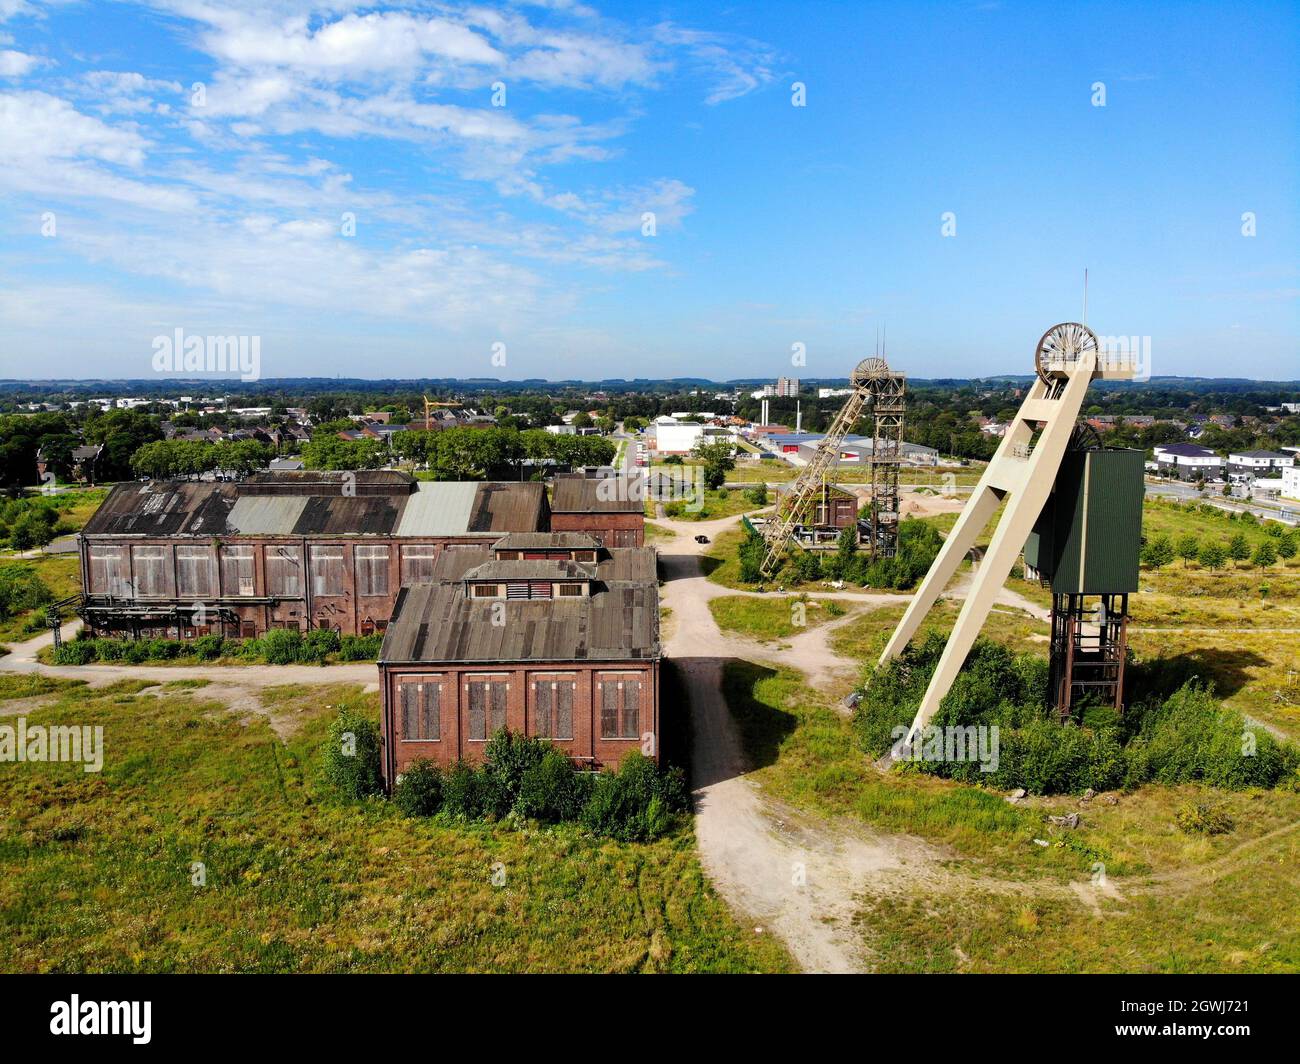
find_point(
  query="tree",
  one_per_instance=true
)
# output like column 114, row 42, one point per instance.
column 1239, row 547
column 717, row 457
column 752, row 553
column 1158, row 552
column 1286, row 546
column 1213, row 556
column 757, row 495
column 1265, row 554
column 582, row 420
column 333, row 452
column 1189, row 548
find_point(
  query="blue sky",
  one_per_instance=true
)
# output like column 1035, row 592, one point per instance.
column 191, row 164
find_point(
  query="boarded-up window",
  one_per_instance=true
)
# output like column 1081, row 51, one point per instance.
column 371, row 563
column 553, row 707
column 284, row 571
column 237, row 571
column 487, row 708
column 417, row 562
column 328, row 573
column 620, row 708
column 570, row 590
column 421, row 709
column 110, row 572
column 153, row 571
column 485, row 590
column 196, row 572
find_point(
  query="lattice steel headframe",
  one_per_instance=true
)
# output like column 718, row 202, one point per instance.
column 873, row 382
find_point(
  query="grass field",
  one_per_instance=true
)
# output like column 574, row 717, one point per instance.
column 61, row 573
column 865, row 637
column 1189, row 903
column 771, row 619
column 97, row 870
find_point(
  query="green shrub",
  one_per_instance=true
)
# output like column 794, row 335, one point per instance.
column 1200, row 818
column 636, row 803
column 281, row 646
column 21, row 588
column 418, row 791
column 552, row 790
column 506, row 758
column 351, row 762
column 360, row 647
column 467, row 792
column 76, row 652
column 109, row 649
column 208, row 647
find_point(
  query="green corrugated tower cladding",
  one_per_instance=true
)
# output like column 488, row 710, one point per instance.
column 1085, row 543
column 1087, row 539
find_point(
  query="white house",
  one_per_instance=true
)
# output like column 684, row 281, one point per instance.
column 1258, row 463
column 676, row 437
column 1291, row 483
column 1188, row 461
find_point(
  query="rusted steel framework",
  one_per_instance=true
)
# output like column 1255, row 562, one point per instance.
column 1088, row 648
column 873, row 381
column 886, row 455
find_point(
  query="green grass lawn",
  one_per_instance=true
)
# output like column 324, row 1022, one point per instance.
column 770, row 619
column 1191, row 903
column 61, row 573
column 864, row 637
column 96, row 869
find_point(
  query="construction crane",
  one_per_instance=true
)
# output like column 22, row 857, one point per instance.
column 872, row 381
column 428, row 406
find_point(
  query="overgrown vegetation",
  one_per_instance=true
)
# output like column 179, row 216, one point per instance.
column 530, row 778
column 1186, row 737
column 280, row 646
column 918, row 544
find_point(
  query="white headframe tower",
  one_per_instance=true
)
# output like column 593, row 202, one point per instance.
column 1021, row 474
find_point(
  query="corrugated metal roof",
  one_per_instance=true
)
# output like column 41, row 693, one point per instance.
column 533, row 569
column 546, row 540
column 266, row 515
column 438, row 509
column 436, row 623
column 175, row 508
column 599, row 495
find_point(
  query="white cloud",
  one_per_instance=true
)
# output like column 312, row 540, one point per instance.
column 16, row 64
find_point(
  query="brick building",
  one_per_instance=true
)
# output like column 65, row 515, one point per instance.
column 281, row 550
column 610, row 509
column 553, row 636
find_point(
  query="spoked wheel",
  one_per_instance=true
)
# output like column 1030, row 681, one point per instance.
column 1062, row 346
column 869, row 369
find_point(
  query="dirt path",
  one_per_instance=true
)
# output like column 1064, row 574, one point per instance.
column 239, row 687
column 796, row 875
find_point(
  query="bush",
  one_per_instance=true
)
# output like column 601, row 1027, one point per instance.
column 637, row 803
column 360, row 647
column 1199, row 818
column 551, row 790
column 506, row 758
column 351, row 762
column 418, row 791
column 21, row 589
column 77, row 652
column 281, row 646
column 466, row 792
column 208, row 647
column 1187, row 737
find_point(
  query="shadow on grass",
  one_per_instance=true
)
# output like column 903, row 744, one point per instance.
column 1225, row 667
column 763, row 728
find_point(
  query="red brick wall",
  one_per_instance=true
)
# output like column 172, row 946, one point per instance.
column 454, row 744
column 605, row 527
column 348, row 612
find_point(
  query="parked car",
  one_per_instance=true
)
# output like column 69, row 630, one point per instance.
column 701, row 539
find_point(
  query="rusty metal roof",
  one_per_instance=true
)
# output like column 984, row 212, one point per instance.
column 545, row 541
column 437, row 623
column 586, row 495
column 532, row 569
column 206, row 508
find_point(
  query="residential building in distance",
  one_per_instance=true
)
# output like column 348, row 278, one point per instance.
column 281, row 550
column 1258, row 463
column 550, row 636
column 1188, row 461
